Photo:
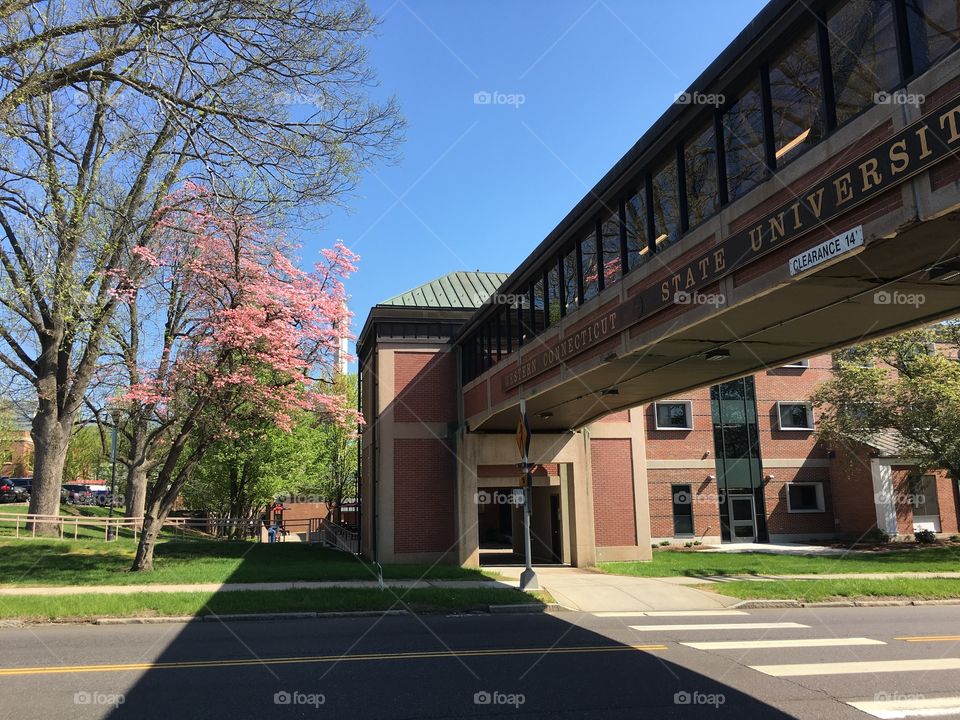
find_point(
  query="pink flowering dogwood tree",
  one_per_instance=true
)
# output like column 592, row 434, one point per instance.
column 243, row 335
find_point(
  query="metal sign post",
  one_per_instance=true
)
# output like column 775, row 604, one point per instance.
column 528, row 578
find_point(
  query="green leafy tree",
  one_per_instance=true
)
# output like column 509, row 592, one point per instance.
column 85, row 455
column 336, row 465
column 909, row 383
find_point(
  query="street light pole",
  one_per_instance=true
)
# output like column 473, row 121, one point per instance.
column 528, row 578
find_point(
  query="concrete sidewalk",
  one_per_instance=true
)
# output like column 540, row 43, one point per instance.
column 593, row 591
column 682, row 580
column 238, row 587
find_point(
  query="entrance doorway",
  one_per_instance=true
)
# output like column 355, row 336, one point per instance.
column 500, row 525
column 741, row 513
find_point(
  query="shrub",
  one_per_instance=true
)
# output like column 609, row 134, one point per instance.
column 688, row 544
column 697, row 542
column 955, row 538
column 877, row 536
column 664, row 542
column 925, row 536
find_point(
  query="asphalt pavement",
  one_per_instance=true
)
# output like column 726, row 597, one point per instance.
column 804, row 663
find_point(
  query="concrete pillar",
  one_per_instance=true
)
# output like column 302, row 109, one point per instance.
column 468, row 532
column 638, row 439
column 576, row 475
column 883, row 496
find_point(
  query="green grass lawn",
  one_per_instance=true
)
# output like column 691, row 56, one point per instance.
column 39, row 607
column 668, row 563
column 55, row 562
column 818, row 590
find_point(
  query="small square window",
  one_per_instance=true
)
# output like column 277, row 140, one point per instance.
column 676, row 415
column 805, row 497
column 795, row 415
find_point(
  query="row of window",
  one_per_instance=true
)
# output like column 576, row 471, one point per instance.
column 838, row 64
column 806, row 497
column 802, row 497
column 678, row 415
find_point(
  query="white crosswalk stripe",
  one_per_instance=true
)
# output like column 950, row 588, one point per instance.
column 909, row 708
column 721, row 626
column 859, row 667
column 792, row 643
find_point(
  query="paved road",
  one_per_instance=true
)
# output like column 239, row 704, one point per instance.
column 806, row 663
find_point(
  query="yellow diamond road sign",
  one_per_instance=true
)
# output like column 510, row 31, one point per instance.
column 523, row 437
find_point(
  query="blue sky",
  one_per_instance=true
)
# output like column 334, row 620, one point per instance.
column 478, row 186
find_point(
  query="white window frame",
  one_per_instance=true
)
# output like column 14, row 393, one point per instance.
column 798, row 364
column 821, row 507
column 809, row 406
column 656, row 415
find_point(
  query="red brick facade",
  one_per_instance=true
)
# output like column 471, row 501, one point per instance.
column 423, row 382
column 423, row 508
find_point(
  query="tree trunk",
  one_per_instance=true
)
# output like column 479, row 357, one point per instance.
column 136, row 491
column 51, row 438
column 152, row 522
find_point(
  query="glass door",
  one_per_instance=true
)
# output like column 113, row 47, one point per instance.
column 740, row 510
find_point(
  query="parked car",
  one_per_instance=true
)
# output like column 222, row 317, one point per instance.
column 23, row 482
column 10, row 493
column 77, row 494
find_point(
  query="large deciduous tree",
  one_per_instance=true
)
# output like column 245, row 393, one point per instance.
column 246, row 338
column 909, row 383
column 105, row 106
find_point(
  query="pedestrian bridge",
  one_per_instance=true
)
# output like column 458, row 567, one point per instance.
column 807, row 212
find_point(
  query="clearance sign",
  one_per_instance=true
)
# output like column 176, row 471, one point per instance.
column 912, row 150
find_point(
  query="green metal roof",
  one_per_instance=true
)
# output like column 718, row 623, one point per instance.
column 457, row 290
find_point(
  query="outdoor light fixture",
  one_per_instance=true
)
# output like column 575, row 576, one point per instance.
column 611, row 357
column 717, row 354
column 711, row 478
column 768, row 478
column 610, row 391
column 546, row 415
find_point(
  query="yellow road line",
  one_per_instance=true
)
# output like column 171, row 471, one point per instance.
column 121, row 667
column 930, row 638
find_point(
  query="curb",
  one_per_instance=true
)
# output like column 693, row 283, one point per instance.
column 762, row 604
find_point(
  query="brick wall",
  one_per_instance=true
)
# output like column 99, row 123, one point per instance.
column 424, row 506
column 780, row 520
column 706, row 510
column 851, row 485
column 613, row 499
column 425, row 387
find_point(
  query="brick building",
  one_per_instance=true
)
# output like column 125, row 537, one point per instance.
column 796, row 215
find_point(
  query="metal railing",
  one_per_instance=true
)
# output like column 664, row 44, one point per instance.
column 24, row 526
column 338, row 537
